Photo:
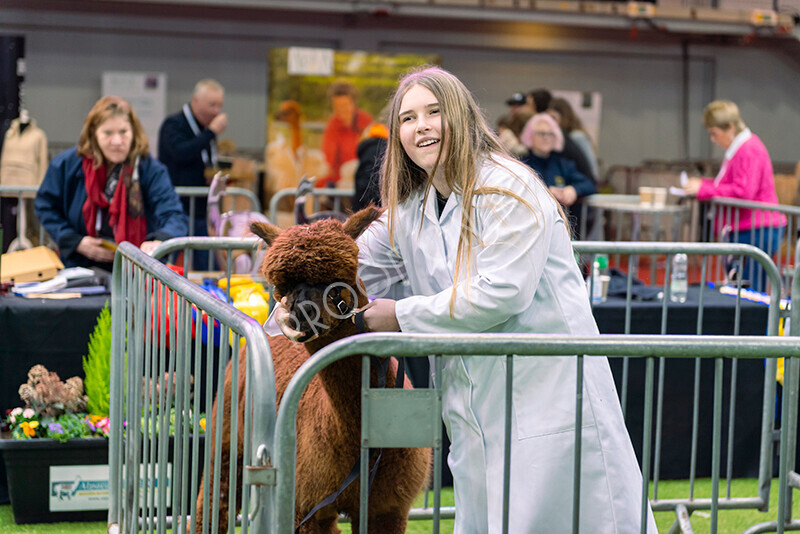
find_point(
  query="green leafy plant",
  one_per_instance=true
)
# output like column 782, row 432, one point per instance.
column 97, row 365
column 25, row 423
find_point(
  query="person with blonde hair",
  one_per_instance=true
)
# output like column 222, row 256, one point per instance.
column 745, row 173
column 545, row 140
column 485, row 248
column 571, row 125
column 108, row 189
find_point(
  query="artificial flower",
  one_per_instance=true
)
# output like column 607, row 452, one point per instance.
column 29, row 428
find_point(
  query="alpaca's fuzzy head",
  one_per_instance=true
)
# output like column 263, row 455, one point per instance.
column 312, row 265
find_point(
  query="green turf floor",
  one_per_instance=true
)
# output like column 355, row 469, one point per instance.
column 729, row 521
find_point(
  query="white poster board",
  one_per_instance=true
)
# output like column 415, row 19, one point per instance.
column 86, row 487
column 78, row 487
column 147, row 93
column 587, row 106
column 310, row 61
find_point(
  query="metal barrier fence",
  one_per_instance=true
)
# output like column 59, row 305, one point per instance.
column 509, row 345
column 195, row 192
column 225, row 244
column 682, row 507
column 168, row 334
column 770, row 227
column 788, row 478
column 701, row 253
column 192, row 193
column 317, row 194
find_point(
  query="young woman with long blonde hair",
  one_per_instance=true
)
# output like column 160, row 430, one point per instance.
column 485, row 248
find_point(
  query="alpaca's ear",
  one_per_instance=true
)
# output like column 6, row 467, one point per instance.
column 267, row 232
column 358, row 222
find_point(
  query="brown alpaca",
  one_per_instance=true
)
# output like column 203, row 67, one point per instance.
column 300, row 262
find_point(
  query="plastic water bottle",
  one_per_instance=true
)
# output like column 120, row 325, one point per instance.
column 599, row 268
column 679, row 280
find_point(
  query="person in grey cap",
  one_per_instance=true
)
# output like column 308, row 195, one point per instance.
column 518, row 103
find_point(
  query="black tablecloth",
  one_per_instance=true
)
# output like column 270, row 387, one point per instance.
column 54, row 333
column 718, row 315
column 718, row 319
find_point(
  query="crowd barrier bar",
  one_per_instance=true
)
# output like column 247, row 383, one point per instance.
column 506, row 345
column 201, row 192
column 705, row 250
column 147, row 377
column 191, row 192
column 788, row 478
column 228, row 244
column 317, row 193
column 722, row 224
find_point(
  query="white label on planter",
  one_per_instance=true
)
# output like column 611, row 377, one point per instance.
column 78, row 487
column 152, row 486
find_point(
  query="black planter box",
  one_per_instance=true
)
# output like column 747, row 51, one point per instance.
column 28, row 463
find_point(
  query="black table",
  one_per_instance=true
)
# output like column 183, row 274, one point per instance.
column 718, row 319
column 718, row 315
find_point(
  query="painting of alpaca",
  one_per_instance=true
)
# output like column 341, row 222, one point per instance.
column 288, row 160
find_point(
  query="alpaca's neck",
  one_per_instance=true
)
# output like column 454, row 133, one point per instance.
column 343, row 329
column 342, row 379
column 297, row 136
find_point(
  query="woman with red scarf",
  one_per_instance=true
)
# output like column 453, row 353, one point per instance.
column 108, row 190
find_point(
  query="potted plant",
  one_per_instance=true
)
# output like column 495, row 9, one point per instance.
column 56, row 451
column 56, row 448
column 57, row 456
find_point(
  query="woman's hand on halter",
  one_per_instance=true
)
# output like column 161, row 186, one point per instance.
column 379, row 316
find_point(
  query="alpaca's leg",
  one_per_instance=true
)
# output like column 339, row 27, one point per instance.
column 390, row 523
column 224, row 463
column 324, row 522
column 223, row 489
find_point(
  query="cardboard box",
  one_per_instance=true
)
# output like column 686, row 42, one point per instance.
column 32, row 265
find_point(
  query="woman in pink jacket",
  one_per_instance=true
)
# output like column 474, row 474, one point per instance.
column 746, row 174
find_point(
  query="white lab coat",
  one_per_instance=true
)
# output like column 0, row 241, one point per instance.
column 524, row 279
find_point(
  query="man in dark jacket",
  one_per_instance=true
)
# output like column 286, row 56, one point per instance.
column 187, row 146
